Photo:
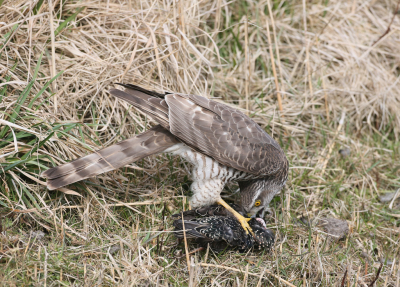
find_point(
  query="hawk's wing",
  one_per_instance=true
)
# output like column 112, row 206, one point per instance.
column 223, row 133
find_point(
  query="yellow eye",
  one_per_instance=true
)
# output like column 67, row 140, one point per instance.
column 258, row 203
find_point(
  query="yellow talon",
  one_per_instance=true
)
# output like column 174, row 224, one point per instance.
column 243, row 220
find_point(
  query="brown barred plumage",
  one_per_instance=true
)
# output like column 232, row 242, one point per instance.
column 221, row 142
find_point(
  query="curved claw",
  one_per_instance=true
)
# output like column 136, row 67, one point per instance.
column 243, row 220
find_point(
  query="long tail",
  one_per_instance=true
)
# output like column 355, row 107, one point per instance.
column 153, row 141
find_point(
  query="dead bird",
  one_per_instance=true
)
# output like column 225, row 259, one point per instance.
column 208, row 211
column 216, row 226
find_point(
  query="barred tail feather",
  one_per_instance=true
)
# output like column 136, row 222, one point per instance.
column 153, row 141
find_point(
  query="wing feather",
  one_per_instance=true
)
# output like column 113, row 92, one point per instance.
column 212, row 128
column 223, row 133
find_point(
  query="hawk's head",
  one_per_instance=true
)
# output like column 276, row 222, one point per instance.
column 257, row 194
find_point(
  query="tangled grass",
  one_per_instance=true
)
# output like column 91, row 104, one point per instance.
column 319, row 76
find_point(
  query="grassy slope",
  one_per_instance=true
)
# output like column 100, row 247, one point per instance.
column 327, row 67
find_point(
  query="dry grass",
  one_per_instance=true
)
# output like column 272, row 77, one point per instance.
column 327, row 65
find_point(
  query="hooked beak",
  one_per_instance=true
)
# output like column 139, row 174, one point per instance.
column 261, row 213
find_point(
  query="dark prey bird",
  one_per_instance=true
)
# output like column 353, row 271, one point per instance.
column 219, row 228
column 222, row 143
column 210, row 210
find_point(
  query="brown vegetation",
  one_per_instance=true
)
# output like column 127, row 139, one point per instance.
column 333, row 65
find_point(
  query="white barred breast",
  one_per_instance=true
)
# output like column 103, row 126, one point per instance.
column 209, row 177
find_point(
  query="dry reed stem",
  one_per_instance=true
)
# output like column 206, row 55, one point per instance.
column 186, row 246
column 53, row 52
column 326, row 99
column 278, row 94
column 246, row 56
column 329, row 153
column 278, row 58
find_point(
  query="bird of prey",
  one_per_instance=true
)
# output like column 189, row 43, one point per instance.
column 219, row 228
column 222, row 143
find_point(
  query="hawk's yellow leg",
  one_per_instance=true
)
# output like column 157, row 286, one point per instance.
column 243, row 220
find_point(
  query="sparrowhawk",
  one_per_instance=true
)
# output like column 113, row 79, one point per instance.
column 222, row 143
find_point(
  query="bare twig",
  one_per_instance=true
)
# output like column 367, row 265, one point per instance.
column 376, row 277
column 344, row 278
column 390, row 24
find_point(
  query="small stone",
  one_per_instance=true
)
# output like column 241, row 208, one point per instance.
column 364, row 255
column 114, row 249
column 38, row 235
column 335, row 228
column 389, row 262
column 305, row 220
column 345, row 152
column 387, row 197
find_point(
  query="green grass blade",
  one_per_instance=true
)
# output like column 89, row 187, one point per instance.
column 22, row 97
column 7, row 36
column 43, row 89
column 25, row 158
column 69, row 19
column 3, row 91
column 38, row 146
column 37, row 7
